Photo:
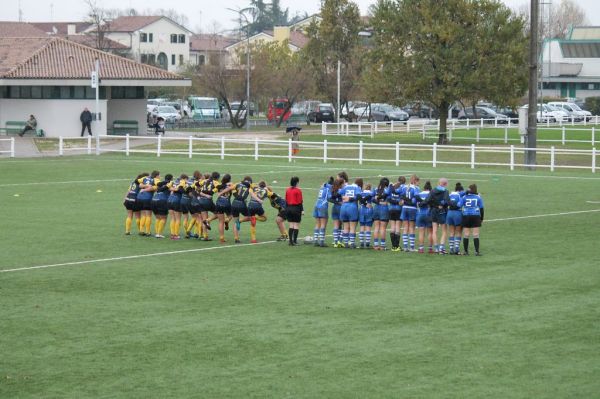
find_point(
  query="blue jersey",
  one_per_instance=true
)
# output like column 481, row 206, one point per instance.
column 380, row 196
column 146, row 195
column 162, row 192
column 422, row 206
column 323, row 196
column 393, row 197
column 366, row 198
column 454, row 198
column 408, row 194
column 351, row 191
column 175, row 196
column 471, row 205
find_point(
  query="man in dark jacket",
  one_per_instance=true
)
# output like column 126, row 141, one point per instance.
column 86, row 121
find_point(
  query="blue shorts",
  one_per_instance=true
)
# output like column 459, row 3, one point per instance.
column 423, row 221
column 365, row 216
column 454, row 218
column 321, row 212
column 335, row 211
column 381, row 212
column 349, row 212
column 409, row 214
column 395, row 212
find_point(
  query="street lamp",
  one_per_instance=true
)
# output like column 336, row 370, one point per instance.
column 241, row 13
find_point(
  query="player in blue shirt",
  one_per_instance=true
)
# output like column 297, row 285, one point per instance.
column 365, row 216
column 395, row 206
column 472, row 211
column 423, row 221
column 409, row 213
column 160, row 205
column 190, row 206
column 381, row 214
column 349, row 211
column 147, row 188
column 454, row 219
column 131, row 204
column 336, row 199
column 321, row 212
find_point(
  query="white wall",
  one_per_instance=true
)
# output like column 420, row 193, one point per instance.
column 131, row 110
column 56, row 117
column 161, row 31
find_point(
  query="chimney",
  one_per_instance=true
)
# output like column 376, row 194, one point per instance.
column 71, row 29
column 281, row 33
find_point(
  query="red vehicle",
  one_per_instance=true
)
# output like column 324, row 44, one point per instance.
column 276, row 108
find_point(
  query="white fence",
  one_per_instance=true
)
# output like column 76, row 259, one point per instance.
column 11, row 146
column 326, row 151
column 424, row 126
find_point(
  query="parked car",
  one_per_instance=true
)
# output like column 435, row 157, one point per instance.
column 235, row 106
column 513, row 114
column 420, row 110
column 573, row 110
column 544, row 113
column 153, row 103
column 559, row 113
column 323, row 112
column 386, row 112
column 167, row 112
column 486, row 113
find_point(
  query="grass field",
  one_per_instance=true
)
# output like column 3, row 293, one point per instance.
column 90, row 313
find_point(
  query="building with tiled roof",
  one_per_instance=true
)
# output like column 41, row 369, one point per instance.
column 62, row 28
column 19, row 29
column 203, row 47
column 155, row 40
column 50, row 78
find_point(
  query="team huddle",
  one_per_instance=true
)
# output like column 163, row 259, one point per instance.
column 189, row 203
column 415, row 217
column 401, row 206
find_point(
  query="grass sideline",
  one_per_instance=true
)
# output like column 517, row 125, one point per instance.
column 274, row 321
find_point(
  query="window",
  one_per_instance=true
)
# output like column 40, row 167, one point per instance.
column 25, row 91
column 151, row 59
column 144, row 59
column 14, row 92
column 173, row 38
column 201, row 59
column 143, row 37
column 129, row 92
column 36, row 91
column 181, row 38
column 180, row 59
column 65, row 93
column 79, row 92
column 150, row 37
column 172, row 59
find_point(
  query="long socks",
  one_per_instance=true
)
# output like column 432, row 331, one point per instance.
column 336, row 236
column 466, row 244
column 411, row 239
column 128, row 225
column 361, row 238
column 367, row 238
column 148, row 224
column 405, row 241
column 322, row 236
column 252, row 233
column 476, row 242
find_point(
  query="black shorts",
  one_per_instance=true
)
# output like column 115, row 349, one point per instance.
column 160, row 208
column 281, row 214
column 395, row 214
column 133, row 206
column 438, row 215
column 223, row 208
column 471, row 221
column 206, row 205
column 294, row 213
column 255, row 209
column 185, row 207
column 239, row 208
column 174, row 206
column 146, row 204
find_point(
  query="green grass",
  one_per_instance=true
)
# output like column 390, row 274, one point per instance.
column 272, row 321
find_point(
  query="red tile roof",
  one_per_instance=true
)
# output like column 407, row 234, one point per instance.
column 298, row 39
column 209, row 42
column 90, row 41
column 60, row 28
column 19, row 29
column 131, row 23
column 56, row 58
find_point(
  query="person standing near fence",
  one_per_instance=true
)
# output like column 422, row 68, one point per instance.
column 293, row 199
column 295, row 131
column 86, row 121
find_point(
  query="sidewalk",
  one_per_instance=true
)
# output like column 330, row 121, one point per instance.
column 24, row 147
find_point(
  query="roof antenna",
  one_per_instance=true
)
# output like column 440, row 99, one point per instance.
column 20, row 12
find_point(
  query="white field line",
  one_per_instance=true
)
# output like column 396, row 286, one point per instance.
column 85, row 262
column 593, row 202
column 541, row 216
column 295, row 167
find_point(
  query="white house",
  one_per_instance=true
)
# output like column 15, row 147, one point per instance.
column 49, row 77
column 155, row 40
column 571, row 66
column 204, row 48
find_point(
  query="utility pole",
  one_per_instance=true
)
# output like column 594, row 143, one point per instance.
column 531, row 136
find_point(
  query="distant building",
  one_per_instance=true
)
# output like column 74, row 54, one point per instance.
column 50, row 78
column 571, row 66
column 154, row 40
column 205, row 48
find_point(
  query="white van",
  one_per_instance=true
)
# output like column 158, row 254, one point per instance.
column 575, row 113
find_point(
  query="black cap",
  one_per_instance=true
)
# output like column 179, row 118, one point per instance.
column 290, row 128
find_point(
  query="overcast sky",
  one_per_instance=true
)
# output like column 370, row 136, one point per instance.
column 202, row 14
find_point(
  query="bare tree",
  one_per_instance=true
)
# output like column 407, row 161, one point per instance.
column 100, row 19
column 556, row 19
